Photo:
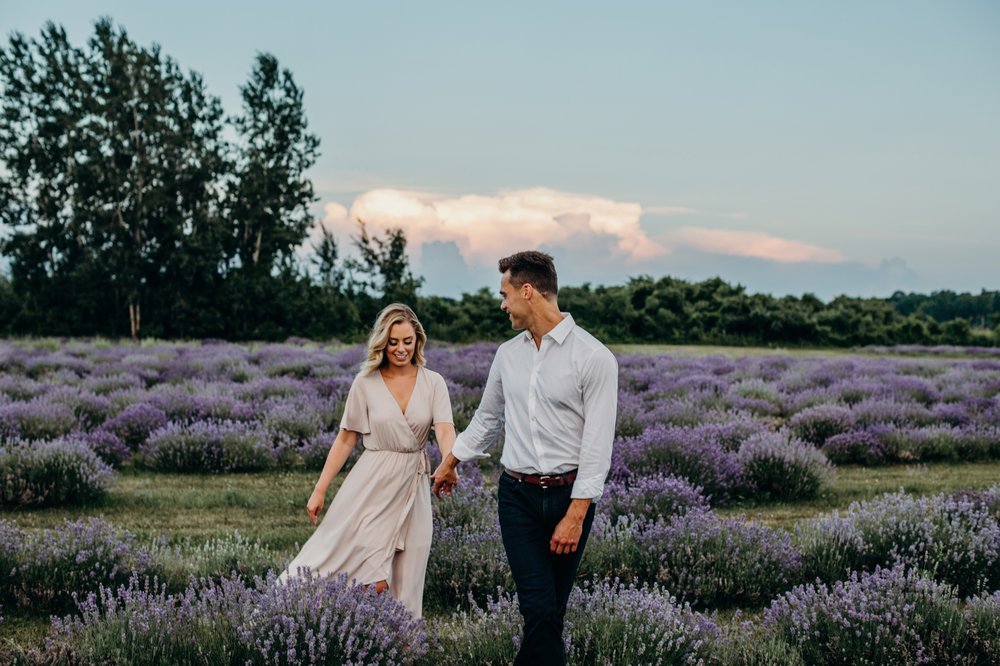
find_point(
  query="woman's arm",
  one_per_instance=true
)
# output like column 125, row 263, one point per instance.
column 444, row 480
column 342, row 447
column 444, row 435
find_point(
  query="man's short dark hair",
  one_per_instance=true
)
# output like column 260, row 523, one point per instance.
column 534, row 268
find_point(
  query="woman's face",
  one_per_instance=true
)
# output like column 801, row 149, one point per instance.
column 402, row 344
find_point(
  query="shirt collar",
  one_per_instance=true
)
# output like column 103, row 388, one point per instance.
column 559, row 332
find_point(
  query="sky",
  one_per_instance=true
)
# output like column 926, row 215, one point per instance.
column 848, row 147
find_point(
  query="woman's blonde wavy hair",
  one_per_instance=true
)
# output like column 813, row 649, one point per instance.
column 393, row 314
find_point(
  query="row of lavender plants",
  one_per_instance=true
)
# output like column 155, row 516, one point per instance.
column 896, row 579
column 752, row 426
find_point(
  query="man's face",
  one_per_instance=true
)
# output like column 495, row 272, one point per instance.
column 513, row 302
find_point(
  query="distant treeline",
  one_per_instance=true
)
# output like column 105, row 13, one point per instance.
column 670, row 310
column 665, row 311
column 134, row 207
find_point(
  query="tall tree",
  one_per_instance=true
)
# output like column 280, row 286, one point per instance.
column 113, row 157
column 271, row 195
column 381, row 275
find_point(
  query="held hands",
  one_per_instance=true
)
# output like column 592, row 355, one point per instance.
column 315, row 505
column 445, row 478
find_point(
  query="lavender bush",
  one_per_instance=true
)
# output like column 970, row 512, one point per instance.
column 207, row 447
column 775, row 467
column 58, row 472
column 230, row 555
column 35, row 420
column 684, row 452
column 328, row 621
column 107, row 446
column 134, row 424
column 982, row 615
column 609, row 623
column 817, row 424
column 139, row 622
column 954, row 539
column 305, row 621
column 47, row 568
column 889, row 616
column 487, row 634
column 652, row 497
column 709, row 561
column 861, row 447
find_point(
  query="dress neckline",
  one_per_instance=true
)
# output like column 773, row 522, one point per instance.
column 409, row 398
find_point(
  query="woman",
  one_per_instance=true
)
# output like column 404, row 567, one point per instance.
column 378, row 527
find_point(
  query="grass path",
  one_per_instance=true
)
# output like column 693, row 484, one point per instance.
column 271, row 506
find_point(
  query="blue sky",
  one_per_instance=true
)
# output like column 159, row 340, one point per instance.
column 839, row 147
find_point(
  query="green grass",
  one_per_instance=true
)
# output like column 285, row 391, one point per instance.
column 269, row 507
column 854, row 483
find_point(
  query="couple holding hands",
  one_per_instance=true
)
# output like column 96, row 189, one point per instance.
column 552, row 390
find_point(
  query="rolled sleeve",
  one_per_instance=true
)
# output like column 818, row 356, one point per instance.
column 600, row 401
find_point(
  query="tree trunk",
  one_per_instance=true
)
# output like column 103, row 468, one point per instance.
column 133, row 319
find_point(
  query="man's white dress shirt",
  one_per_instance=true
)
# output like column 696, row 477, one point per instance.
column 558, row 403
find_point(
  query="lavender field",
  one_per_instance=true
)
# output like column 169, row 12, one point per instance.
column 149, row 493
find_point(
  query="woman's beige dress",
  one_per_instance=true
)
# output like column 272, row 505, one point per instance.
column 378, row 526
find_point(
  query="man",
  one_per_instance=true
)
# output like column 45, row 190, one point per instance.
column 554, row 389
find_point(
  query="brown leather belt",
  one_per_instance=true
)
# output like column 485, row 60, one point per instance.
column 544, row 480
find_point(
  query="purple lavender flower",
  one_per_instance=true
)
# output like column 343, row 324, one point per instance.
column 956, row 539
column 709, row 561
column 652, row 497
column 683, row 452
column 35, row 420
column 890, row 616
column 135, row 424
column 860, row 447
column 775, row 466
column 50, row 567
column 612, row 623
column 819, row 423
column 208, row 447
column 52, row 473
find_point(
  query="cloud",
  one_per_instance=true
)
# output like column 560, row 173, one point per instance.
column 751, row 244
column 668, row 211
column 486, row 227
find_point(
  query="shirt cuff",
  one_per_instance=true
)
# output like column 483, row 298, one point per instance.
column 591, row 488
column 464, row 453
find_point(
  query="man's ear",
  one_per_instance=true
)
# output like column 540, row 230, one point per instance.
column 527, row 291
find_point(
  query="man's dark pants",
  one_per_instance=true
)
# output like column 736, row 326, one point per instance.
column 528, row 517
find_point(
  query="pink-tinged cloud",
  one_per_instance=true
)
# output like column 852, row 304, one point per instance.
column 486, row 227
column 670, row 211
column 752, row 244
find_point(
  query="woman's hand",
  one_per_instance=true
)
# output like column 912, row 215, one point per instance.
column 445, row 478
column 315, row 505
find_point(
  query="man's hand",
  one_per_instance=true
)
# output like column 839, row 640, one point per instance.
column 445, row 478
column 566, row 537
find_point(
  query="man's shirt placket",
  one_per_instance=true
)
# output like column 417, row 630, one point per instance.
column 536, row 442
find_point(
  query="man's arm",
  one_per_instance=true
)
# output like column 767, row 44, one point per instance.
column 600, row 409
column 483, row 430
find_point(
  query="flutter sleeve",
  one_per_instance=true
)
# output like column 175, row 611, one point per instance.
column 442, row 401
column 356, row 409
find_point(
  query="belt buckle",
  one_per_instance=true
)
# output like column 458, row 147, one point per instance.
column 543, row 480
